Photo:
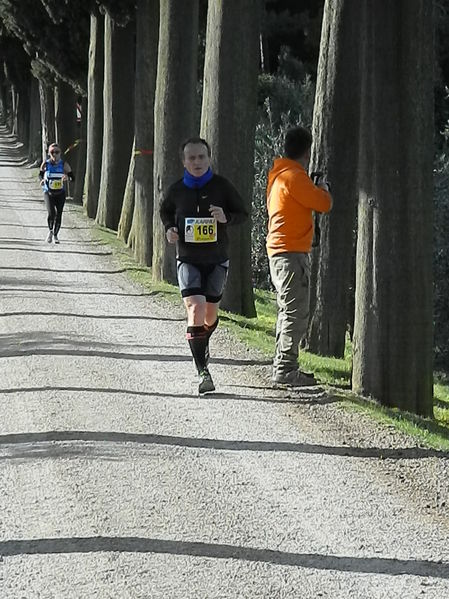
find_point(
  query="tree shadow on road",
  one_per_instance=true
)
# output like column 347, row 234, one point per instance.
column 23, row 439
column 365, row 565
column 41, row 343
column 66, row 291
column 50, row 250
column 91, row 316
column 218, row 396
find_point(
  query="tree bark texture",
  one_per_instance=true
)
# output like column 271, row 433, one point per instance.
column 24, row 111
column 47, row 99
column 141, row 234
column 228, row 123
column 94, row 114
column 393, row 316
column 3, row 96
column 126, row 216
column 335, row 152
column 118, row 121
column 174, row 113
column 80, row 166
column 35, row 136
column 65, row 118
column 14, row 108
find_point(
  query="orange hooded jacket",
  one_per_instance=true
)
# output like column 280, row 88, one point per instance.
column 291, row 199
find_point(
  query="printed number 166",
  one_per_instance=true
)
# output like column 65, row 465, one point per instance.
column 207, row 229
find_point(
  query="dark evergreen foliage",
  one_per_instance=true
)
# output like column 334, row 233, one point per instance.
column 52, row 36
column 55, row 33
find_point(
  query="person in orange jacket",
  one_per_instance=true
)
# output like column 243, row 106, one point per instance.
column 292, row 197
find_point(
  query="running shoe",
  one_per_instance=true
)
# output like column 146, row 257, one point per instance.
column 295, row 378
column 49, row 237
column 55, row 239
column 206, row 383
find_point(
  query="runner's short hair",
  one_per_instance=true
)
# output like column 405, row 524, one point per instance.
column 297, row 142
column 195, row 140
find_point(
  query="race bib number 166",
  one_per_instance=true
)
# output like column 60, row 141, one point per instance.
column 200, row 230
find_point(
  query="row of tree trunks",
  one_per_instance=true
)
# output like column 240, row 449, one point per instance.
column 118, row 119
column 178, row 39
column 335, row 152
column 228, row 122
column 94, row 115
column 370, row 118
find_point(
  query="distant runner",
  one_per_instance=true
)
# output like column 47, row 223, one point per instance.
column 53, row 173
column 196, row 213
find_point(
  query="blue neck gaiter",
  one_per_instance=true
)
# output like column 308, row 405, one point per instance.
column 197, row 182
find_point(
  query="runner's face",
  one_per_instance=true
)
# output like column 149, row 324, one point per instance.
column 55, row 154
column 196, row 159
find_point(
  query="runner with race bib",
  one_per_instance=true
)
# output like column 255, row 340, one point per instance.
column 196, row 212
column 53, row 174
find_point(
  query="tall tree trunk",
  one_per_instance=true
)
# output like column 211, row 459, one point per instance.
column 126, row 216
column 35, row 135
column 14, row 109
column 23, row 112
column 94, row 115
column 335, row 152
column 80, row 167
column 47, row 98
column 118, row 121
column 66, row 133
column 393, row 320
column 3, row 96
column 175, row 88
column 65, row 118
column 141, row 234
column 228, row 121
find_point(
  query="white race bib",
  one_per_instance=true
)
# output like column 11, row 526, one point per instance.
column 55, row 182
column 200, row 230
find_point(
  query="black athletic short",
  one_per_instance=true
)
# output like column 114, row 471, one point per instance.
column 203, row 279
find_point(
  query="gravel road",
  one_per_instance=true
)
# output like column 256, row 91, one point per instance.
column 117, row 481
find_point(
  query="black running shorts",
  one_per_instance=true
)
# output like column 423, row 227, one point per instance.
column 203, row 279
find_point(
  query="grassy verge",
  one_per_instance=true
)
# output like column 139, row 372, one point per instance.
column 258, row 333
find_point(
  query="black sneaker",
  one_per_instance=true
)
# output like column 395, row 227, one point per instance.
column 206, row 383
column 295, row 378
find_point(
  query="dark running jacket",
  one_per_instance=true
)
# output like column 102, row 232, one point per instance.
column 182, row 202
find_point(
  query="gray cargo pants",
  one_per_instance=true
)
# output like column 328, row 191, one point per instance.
column 290, row 274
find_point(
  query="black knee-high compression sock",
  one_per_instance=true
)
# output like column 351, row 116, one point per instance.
column 210, row 328
column 197, row 338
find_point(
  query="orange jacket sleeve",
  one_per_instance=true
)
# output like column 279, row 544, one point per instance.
column 305, row 192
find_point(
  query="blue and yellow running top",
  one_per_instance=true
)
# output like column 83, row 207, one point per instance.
column 53, row 177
